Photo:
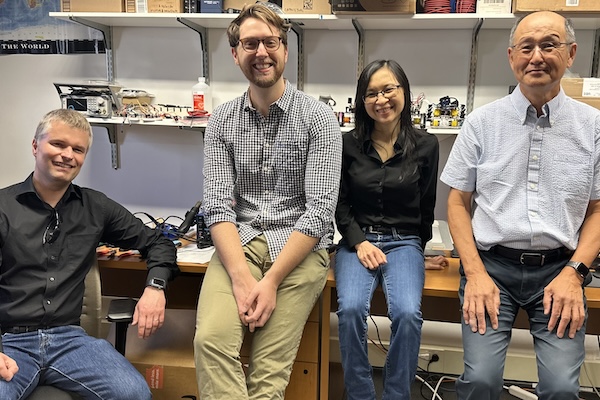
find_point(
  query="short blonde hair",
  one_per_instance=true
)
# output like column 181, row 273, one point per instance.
column 71, row 118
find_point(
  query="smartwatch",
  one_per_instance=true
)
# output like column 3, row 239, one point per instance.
column 157, row 283
column 580, row 267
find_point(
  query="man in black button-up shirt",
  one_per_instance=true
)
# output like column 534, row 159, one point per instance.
column 49, row 231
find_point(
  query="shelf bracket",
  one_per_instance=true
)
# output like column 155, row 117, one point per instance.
column 108, row 44
column 473, row 65
column 596, row 55
column 114, row 143
column 300, row 37
column 361, row 45
column 203, row 32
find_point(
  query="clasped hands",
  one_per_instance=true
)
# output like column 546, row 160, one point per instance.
column 255, row 300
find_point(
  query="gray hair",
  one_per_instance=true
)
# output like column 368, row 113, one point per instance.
column 569, row 30
column 71, row 118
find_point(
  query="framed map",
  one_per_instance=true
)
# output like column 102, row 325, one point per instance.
column 26, row 28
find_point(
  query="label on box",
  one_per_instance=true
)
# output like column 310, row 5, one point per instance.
column 494, row 6
column 574, row 3
column 155, row 377
column 591, row 87
column 379, row 6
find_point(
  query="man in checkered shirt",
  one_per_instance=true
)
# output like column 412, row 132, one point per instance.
column 271, row 179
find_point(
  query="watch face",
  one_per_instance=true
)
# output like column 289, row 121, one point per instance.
column 580, row 267
column 158, row 283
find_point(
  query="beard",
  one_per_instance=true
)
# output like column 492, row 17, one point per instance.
column 260, row 80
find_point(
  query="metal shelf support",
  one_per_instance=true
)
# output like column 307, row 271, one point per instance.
column 361, row 45
column 596, row 55
column 108, row 44
column 114, row 143
column 300, row 38
column 473, row 65
column 202, row 31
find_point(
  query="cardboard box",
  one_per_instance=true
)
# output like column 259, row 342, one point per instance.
column 92, row 5
column 130, row 5
column 159, row 6
column 373, row 6
column 586, row 90
column 288, row 6
column 166, row 359
column 169, row 382
column 306, row 7
column 493, row 6
column 556, row 5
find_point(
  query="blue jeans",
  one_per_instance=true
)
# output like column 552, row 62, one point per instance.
column 558, row 360
column 401, row 279
column 68, row 358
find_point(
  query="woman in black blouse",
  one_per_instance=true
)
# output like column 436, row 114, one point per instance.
column 384, row 213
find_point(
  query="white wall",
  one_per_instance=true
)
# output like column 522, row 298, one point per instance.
column 161, row 168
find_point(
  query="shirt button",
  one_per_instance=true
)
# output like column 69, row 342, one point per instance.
column 532, row 185
column 535, row 157
column 51, row 279
column 48, row 302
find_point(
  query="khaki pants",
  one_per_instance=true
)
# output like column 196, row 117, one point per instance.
column 219, row 331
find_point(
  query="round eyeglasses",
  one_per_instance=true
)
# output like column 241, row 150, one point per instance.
column 389, row 92
column 271, row 44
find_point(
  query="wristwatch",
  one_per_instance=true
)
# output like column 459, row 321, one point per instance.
column 157, row 283
column 580, row 267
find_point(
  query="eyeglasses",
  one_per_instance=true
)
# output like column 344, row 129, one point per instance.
column 52, row 230
column 271, row 43
column 389, row 92
column 549, row 47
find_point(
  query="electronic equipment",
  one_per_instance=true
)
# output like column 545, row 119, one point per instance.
column 92, row 100
column 203, row 237
column 189, row 219
column 448, row 113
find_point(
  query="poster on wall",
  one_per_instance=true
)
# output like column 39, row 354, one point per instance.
column 26, row 28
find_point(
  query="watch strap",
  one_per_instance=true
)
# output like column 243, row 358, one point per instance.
column 580, row 267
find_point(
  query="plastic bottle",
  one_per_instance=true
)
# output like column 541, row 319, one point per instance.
column 349, row 114
column 201, row 95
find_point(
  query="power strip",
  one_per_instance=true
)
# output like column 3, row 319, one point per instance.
column 521, row 393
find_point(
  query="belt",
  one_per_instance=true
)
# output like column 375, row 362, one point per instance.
column 22, row 329
column 534, row 258
column 379, row 229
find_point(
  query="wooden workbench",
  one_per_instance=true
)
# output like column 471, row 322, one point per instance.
column 126, row 277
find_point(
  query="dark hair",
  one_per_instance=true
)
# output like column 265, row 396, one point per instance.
column 407, row 136
column 261, row 12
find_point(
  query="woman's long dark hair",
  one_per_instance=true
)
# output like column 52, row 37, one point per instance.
column 407, row 138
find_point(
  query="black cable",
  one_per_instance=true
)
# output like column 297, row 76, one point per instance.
column 385, row 349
